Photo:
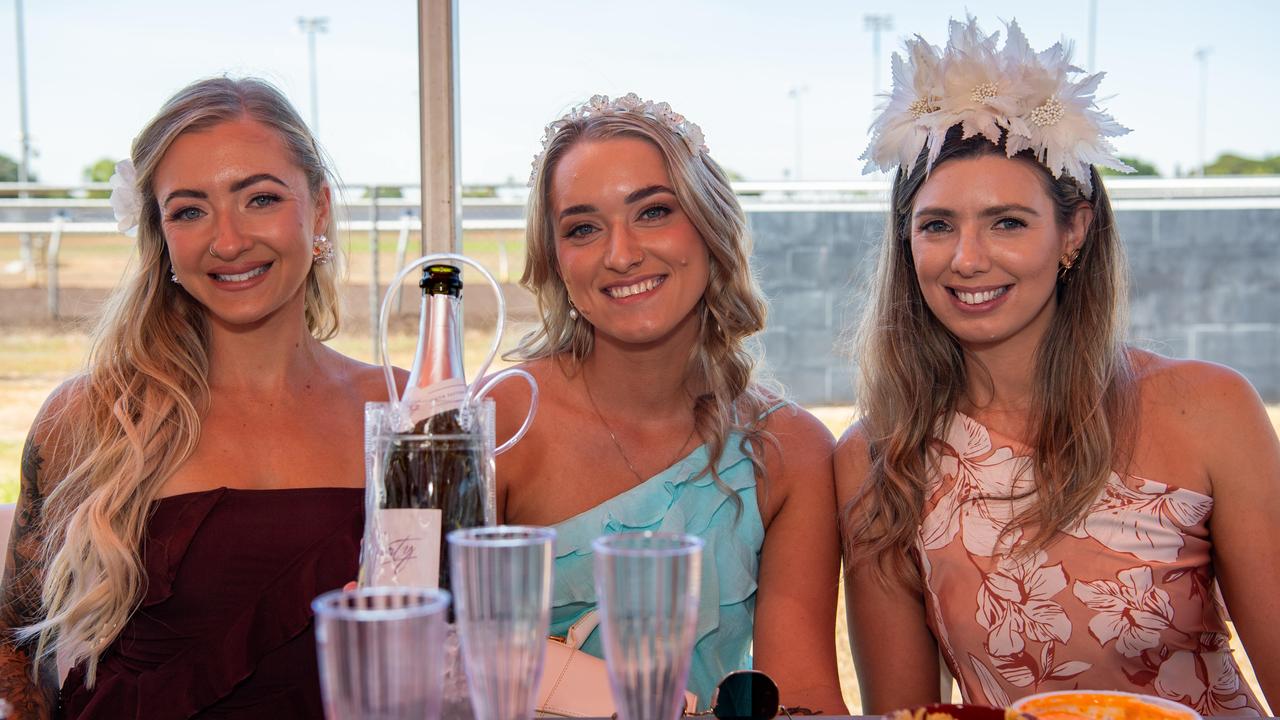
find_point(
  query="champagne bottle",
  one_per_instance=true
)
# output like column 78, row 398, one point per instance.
column 432, row 486
column 437, row 383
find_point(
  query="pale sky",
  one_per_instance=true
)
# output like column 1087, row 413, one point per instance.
column 96, row 71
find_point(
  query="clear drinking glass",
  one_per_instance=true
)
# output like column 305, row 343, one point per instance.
column 376, row 652
column 502, row 586
column 648, row 585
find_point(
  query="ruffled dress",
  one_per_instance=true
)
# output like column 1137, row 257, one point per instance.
column 1124, row 599
column 225, row 627
column 673, row 501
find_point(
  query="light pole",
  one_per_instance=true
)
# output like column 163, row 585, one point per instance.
column 1202, row 55
column 1093, row 35
column 311, row 26
column 876, row 24
column 795, row 94
column 26, row 252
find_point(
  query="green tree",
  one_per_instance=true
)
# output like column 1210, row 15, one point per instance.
column 8, row 169
column 9, row 173
column 1232, row 164
column 100, row 172
column 1141, row 166
column 385, row 192
column 479, row 191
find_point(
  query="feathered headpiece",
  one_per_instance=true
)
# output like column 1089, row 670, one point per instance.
column 1028, row 97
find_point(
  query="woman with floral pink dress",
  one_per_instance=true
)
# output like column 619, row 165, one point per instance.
column 1026, row 498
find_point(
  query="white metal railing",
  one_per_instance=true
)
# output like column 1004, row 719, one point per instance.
column 84, row 215
column 78, row 214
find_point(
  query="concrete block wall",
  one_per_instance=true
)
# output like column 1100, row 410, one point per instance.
column 1205, row 283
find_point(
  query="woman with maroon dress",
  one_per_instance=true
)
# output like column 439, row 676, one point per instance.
column 186, row 496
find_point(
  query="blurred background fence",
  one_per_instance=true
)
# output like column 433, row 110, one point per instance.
column 1204, row 257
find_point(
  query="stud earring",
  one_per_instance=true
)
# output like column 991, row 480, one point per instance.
column 321, row 250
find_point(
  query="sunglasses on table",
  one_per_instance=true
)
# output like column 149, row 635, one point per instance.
column 748, row 695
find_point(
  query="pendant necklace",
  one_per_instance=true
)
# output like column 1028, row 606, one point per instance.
column 614, row 438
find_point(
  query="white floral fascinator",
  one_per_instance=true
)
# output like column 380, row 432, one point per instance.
column 126, row 203
column 630, row 103
column 1030, row 98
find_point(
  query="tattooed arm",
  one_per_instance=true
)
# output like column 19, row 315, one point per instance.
column 30, row 696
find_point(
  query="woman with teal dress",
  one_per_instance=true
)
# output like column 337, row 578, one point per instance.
column 650, row 416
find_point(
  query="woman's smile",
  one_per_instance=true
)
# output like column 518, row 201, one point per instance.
column 633, row 264
column 636, row 290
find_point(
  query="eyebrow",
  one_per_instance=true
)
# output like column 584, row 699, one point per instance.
column 239, row 185
column 987, row 212
column 633, row 197
column 236, row 186
column 197, row 194
column 645, row 192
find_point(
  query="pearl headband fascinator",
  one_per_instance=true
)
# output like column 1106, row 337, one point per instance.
column 1031, row 98
column 600, row 105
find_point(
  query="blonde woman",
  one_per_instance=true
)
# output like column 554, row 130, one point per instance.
column 1040, row 504
column 187, row 495
column 650, row 416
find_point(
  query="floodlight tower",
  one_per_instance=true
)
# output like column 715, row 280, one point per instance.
column 311, row 26
column 876, row 24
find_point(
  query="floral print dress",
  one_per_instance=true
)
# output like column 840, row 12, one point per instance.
column 1125, row 599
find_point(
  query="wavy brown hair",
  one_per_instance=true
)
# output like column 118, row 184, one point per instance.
column 912, row 376
column 731, row 310
column 134, row 415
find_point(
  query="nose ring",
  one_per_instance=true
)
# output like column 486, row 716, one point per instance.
column 214, row 252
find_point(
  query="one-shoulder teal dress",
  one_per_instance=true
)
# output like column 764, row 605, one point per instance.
column 673, row 501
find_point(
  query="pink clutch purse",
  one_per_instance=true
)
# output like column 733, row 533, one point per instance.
column 576, row 683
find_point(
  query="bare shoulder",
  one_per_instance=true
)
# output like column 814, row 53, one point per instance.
column 1206, row 415
column 797, row 455
column 1203, row 396
column 852, row 461
column 367, row 379
column 66, row 398
column 513, row 396
column 49, row 434
column 545, row 371
column 792, row 425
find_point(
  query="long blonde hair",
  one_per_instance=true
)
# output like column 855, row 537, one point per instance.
column 912, row 376
column 732, row 307
column 134, row 416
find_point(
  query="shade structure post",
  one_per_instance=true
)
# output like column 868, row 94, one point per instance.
column 438, row 104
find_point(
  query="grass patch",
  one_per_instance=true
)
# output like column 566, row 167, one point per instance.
column 10, row 457
column 34, row 354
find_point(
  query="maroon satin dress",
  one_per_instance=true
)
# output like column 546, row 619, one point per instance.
column 225, row 628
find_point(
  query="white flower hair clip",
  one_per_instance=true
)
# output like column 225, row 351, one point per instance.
column 629, row 103
column 126, row 203
column 1026, row 96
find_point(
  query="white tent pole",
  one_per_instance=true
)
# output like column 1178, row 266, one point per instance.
column 438, row 102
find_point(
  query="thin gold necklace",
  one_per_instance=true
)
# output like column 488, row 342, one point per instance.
column 614, row 438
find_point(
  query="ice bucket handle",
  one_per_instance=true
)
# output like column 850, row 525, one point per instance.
column 476, row 390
